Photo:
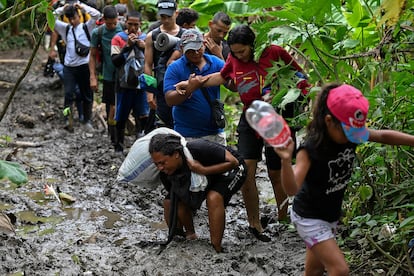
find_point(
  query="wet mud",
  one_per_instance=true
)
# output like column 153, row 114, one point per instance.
column 111, row 229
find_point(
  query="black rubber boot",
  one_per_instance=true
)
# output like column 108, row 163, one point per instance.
column 140, row 124
column 120, row 135
column 112, row 134
column 87, row 114
column 79, row 107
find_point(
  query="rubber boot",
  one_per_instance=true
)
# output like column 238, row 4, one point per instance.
column 87, row 114
column 112, row 133
column 140, row 125
column 120, row 137
column 79, row 107
column 68, row 114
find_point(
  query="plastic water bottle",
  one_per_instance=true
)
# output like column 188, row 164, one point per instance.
column 262, row 117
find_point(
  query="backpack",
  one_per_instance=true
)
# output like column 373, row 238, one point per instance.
column 133, row 67
column 99, row 53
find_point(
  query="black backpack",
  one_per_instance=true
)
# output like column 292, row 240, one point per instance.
column 133, row 67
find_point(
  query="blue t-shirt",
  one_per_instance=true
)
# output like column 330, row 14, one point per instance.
column 108, row 69
column 192, row 118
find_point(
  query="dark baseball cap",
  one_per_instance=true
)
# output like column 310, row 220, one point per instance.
column 166, row 7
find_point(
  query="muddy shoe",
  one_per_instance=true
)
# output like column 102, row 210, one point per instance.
column 68, row 125
column 88, row 125
column 260, row 236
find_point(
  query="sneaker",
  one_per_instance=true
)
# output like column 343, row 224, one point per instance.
column 260, row 236
column 88, row 125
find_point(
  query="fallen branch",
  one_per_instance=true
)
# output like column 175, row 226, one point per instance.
column 102, row 120
column 21, row 144
column 6, row 84
column 386, row 254
column 13, row 60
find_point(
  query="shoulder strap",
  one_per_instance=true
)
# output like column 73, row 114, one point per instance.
column 74, row 36
column 180, row 32
column 100, row 33
column 85, row 28
column 155, row 33
column 205, row 93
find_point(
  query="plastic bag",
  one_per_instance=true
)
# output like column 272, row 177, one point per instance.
column 138, row 167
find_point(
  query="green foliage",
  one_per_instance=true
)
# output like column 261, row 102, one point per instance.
column 366, row 43
column 13, row 172
column 14, row 42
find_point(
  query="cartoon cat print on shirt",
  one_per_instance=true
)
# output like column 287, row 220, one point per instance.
column 340, row 170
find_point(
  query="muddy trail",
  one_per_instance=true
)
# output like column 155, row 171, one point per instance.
column 114, row 228
column 111, row 229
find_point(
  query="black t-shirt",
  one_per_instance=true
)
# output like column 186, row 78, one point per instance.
column 323, row 190
column 205, row 152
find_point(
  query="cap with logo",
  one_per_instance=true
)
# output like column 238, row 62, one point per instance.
column 191, row 39
column 166, row 7
column 350, row 107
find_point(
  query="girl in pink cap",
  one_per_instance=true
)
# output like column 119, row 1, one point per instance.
column 324, row 164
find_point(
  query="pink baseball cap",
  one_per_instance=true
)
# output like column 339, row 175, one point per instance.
column 350, row 107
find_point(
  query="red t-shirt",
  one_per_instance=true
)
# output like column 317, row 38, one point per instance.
column 249, row 77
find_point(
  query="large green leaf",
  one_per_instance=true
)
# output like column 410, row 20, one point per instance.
column 3, row 4
column 356, row 15
column 292, row 16
column 264, row 4
column 291, row 96
column 407, row 222
column 13, row 172
column 365, row 192
column 50, row 20
column 208, row 7
column 240, row 9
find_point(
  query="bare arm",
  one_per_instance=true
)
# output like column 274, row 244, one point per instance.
column 230, row 163
column 391, row 137
column 53, row 40
column 195, row 82
column 149, row 62
column 172, row 97
column 174, row 56
column 93, row 82
column 293, row 177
